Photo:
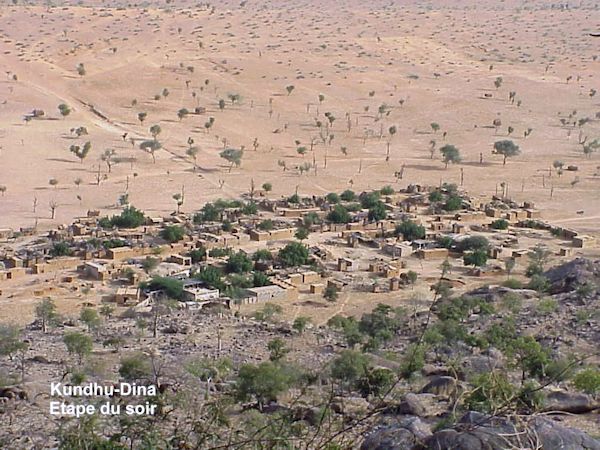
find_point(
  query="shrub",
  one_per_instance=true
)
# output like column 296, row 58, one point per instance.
column 588, row 381
column 332, row 197
column 491, row 391
column 130, row 217
column 266, row 225
column 348, row 196
column 499, row 224
column 513, row 283
column 331, row 293
column 387, row 190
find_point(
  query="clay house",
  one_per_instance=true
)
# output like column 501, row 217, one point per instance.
column 127, row 295
column 96, row 270
column 263, row 294
column 199, row 294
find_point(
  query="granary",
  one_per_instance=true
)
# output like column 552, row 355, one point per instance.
column 582, row 241
column 346, row 265
column 6, row 234
column 397, row 249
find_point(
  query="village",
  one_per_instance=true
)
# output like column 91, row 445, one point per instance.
column 375, row 244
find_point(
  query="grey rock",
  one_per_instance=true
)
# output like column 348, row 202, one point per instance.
column 570, row 402
column 442, row 386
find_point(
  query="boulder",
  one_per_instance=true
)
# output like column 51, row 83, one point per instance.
column 406, row 434
column 476, row 431
column 443, row 386
column 570, row 402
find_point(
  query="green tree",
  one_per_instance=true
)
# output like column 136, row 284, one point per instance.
column 349, row 366
column 339, row 214
column 410, row 230
column 499, row 224
column 182, row 113
column 45, row 312
column 293, row 254
column 10, row 341
column 64, row 109
column 301, row 233
column 172, row 233
column 263, row 382
column 348, row 196
column 450, row 154
column 232, row 156
column 78, row 344
column 377, row 212
column 239, row 263
column 172, row 287
column 90, row 317
column 507, row 149
column 476, row 258
column 588, row 381
column 300, row 323
column 277, row 349
column 331, row 293
column 155, row 130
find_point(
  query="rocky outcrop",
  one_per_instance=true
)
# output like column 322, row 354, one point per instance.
column 477, row 431
column 570, row 402
column 569, row 276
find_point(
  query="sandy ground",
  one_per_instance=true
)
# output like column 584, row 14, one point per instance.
column 426, row 61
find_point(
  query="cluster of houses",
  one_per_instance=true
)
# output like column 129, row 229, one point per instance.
column 120, row 262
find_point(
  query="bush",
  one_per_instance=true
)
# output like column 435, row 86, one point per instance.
column 266, row 225
column 61, row 249
column 376, row 382
column 172, row 233
column 499, row 224
column 331, row 293
column 588, row 381
column 539, row 283
column 293, row 254
column 348, row 196
column 78, row 344
column 491, row 391
column 332, row 197
column 513, row 283
column 130, row 217
column 339, row 214
column 135, row 367
column 435, row 197
column 260, row 279
column 197, row 255
column 387, row 190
